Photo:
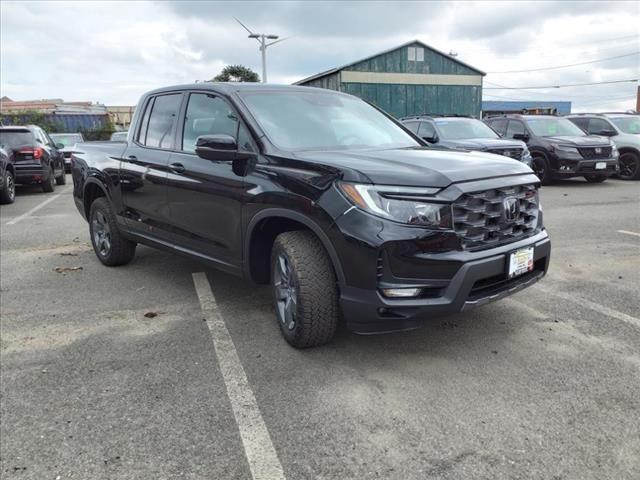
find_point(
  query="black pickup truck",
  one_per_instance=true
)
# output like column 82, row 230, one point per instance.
column 340, row 208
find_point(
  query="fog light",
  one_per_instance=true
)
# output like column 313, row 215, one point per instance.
column 401, row 292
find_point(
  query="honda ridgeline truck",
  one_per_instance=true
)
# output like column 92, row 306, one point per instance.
column 342, row 210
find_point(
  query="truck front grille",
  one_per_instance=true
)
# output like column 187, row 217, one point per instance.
column 495, row 217
column 589, row 153
column 515, row 153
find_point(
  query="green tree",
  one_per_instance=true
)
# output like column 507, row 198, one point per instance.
column 236, row 73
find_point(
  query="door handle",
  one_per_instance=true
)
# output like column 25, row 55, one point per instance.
column 132, row 158
column 177, row 168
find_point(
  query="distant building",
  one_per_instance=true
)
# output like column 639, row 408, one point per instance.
column 69, row 116
column 492, row 107
column 410, row 79
column 120, row 116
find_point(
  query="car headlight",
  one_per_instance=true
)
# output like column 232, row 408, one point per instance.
column 614, row 149
column 400, row 204
column 566, row 149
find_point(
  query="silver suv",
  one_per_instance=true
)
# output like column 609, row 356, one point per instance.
column 624, row 130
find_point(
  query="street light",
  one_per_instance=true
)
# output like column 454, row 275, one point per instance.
column 262, row 39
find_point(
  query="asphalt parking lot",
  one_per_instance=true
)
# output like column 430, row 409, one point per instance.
column 543, row 385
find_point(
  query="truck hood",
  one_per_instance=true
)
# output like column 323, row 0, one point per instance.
column 481, row 143
column 589, row 140
column 420, row 167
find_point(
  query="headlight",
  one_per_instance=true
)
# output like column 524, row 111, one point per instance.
column 400, row 204
column 614, row 149
column 566, row 149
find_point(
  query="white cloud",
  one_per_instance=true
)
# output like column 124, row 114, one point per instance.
column 113, row 52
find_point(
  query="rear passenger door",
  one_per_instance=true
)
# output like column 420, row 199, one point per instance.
column 144, row 167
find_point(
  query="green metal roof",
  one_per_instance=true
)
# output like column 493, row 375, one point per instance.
column 413, row 42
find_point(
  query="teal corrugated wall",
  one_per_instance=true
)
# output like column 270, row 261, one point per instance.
column 401, row 100
column 405, row 100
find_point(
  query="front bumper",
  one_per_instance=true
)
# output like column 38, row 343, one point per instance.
column 578, row 168
column 475, row 282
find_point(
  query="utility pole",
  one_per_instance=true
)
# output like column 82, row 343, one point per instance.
column 262, row 39
column 638, row 100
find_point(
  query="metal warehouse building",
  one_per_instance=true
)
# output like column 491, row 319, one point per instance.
column 411, row 79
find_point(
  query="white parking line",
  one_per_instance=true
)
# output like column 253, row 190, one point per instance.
column 36, row 208
column 626, row 232
column 610, row 312
column 261, row 454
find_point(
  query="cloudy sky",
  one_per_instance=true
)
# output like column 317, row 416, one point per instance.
column 112, row 52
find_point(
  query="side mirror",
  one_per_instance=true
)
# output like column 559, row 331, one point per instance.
column 521, row 136
column 606, row 133
column 218, row 148
column 59, row 146
column 433, row 139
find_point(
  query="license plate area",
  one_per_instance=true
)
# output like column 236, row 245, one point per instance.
column 601, row 165
column 520, row 262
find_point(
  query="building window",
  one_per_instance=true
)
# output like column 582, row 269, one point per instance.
column 412, row 54
column 420, row 54
column 416, row 54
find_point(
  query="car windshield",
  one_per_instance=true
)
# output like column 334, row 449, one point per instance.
column 551, row 127
column 119, row 136
column 10, row 139
column 298, row 120
column 463, row 128
column 66, row 139
column 627, row 124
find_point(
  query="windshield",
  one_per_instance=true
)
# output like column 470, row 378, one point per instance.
column 118, row 136
column 628, row 124
column 66, row 139
column 323, row 121
column 464, row 128
column 551, row 127
column 11, row 139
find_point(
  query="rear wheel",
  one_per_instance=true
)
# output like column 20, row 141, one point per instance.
column 62, row 179
column 8, row 192
column 305, row 294
column 629, row 166
column 540, row 167
column 595, row 178
column 49, row 183
column 111, row 248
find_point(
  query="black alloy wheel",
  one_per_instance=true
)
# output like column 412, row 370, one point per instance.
column 8, row 193
column 101, row 234
column 541, row 168
column 629, row 166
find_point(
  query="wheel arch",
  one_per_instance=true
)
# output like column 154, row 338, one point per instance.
column 288, row 219
column 92, row 189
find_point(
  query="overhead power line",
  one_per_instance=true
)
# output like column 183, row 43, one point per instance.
column 557, row 67
column 560, row 86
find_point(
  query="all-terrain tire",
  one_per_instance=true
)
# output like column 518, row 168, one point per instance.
column 316, row 308
column 540, row 166
column 62, row 179
column 121, row 250
column 49, row 183
column 8, row 192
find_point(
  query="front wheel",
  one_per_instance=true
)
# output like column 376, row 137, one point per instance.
column 540, row 167
column 111, row 248
column 629, row 166
column 8, row 192
column 595, row 178
column 305, row 294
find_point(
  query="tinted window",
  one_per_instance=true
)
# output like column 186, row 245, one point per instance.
column 499, row 126
column 162, row 121
column 413, row 126
column 583, row 123
column 10, row 139
column 244, row 140
column 597, row 125
column 427, row 130
column 207, row 115
column 514, row 128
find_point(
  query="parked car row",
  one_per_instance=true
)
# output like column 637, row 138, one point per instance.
column 29, row 155
column 593, row 146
